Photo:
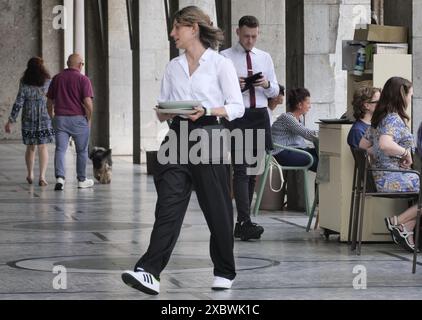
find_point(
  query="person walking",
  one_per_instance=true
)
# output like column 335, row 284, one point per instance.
column 201, row 74
column 70, row 105
column 37, row 129
column 250, row 61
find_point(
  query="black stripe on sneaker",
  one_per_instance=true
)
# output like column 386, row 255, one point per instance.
column 150, row 278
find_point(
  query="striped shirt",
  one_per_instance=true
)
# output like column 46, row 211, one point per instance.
column 288, row 131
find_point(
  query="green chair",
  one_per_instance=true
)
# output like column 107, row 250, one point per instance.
column 270, row 161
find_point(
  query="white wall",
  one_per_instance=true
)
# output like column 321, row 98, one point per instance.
column 120, row 75
column 417, row 65
column 154, row 57
column 327, row 23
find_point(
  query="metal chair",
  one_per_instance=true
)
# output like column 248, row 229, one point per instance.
column 365, row 187
column 353, row 200
column 269, row 160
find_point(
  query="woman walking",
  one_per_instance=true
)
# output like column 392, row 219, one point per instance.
column 37, row 129
column 199, row 74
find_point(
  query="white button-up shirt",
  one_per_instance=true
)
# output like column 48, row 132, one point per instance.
column 214, row 83
column 261, row 62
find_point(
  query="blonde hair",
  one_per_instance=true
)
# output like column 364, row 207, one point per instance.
column 210, row 36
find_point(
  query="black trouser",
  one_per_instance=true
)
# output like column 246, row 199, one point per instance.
column 174, row 187
column 243, row 190
column 244, row 184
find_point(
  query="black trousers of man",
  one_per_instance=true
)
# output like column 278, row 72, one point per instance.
column 174, row 184
column 244, row 184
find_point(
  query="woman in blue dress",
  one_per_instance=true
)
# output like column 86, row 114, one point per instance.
column 37, row 129
column 390, row 144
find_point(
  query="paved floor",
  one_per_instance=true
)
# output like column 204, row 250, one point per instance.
column 95, row 234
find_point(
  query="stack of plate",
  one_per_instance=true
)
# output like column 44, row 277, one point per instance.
column 178, row 107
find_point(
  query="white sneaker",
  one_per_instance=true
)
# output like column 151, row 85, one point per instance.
column 142, row 281
column 88, row 183
column 59, row 184
column 221, row 283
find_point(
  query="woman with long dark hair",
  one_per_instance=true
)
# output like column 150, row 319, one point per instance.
column 37, row 129
column 391, row 143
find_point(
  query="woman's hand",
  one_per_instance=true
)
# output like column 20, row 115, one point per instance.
column 200, row 111
column 163, row 117
column 8, row 127
column 406, row 161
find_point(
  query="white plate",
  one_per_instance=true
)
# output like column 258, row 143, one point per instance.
column 188, row 104
column 176, row 111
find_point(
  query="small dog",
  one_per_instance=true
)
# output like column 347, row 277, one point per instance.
column 101, row 159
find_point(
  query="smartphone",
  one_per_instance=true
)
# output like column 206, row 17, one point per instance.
column 253, row 78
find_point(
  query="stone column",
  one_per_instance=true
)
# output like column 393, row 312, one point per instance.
column 68, row 32
column 20, row 34
column 207, row 5
column 51, row 39
column 79, row 27
column 417, row 65
column 154, row 52
column 327, row 24
column 120, row 75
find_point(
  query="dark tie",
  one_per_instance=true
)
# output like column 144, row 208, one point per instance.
column 252, row 98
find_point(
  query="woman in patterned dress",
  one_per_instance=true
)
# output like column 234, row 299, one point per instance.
column 37, row 129
column 390, row 144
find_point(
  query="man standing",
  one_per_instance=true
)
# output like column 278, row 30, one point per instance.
column 249, row 61
column 70, row 103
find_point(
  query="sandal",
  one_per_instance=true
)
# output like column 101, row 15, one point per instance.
column 403, row 237
column 42, row 183
column 390, row 227
column 29, row 180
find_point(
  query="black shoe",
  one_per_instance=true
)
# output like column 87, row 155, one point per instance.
column 249, row 230
column 237, row 230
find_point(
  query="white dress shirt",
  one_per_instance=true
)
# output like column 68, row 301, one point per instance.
column 214, row 83
column 261, row 62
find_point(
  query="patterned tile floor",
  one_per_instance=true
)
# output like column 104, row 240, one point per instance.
column 97, row 233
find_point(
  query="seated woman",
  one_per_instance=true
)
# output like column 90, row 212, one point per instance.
column 288, row 130
column 390, row 143
column 364, row 102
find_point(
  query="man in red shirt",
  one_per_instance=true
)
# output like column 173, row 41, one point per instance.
column 70, row 105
